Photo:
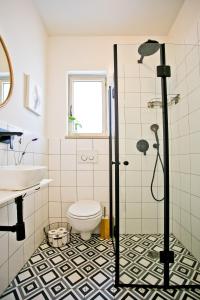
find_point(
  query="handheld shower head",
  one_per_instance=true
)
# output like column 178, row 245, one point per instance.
column 154, row 128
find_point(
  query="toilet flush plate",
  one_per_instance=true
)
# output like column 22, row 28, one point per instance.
column 87, row 156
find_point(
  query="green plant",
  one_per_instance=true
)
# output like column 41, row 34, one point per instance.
column 75, row 122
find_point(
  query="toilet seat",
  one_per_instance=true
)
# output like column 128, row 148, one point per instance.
column 86, row 209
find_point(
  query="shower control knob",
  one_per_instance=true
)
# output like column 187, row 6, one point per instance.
column 126, row 163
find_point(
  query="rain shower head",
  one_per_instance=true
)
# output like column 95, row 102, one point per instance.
column 148, row 48
column 154, row 128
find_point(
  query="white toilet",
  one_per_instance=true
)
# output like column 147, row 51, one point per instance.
column 84, row 216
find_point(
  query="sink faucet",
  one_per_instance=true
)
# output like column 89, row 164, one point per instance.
column 7, row 136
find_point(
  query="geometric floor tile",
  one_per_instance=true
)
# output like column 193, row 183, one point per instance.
column 74, row 278
column 48, row 277
column 86, row 270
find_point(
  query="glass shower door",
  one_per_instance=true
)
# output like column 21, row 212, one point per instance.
column 156, row 247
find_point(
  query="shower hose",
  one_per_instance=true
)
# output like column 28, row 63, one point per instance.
column 158, row 157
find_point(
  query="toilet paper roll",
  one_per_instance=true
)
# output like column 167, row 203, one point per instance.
column 61, row 229
column 52, row 232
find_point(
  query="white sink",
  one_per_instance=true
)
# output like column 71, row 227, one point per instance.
column 16, row 178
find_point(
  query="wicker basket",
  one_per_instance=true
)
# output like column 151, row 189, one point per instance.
column 58, row 234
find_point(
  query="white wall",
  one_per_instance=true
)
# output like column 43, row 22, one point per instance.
column 76, row 53
column 25, row 38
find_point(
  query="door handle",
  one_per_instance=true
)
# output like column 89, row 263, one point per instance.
column 126, row 163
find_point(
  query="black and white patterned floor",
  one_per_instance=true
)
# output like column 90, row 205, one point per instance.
column 85, row 270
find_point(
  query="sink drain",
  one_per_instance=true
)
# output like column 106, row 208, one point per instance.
column 154, row 254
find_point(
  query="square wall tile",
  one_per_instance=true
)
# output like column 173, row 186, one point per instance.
column 133, row 226
column 68, row 146
column 186, row 220
column 68, row 178
column 195, row 227
column 102, row 163
column 132, row 85
column 54, row 194
column 149, row 210
column 101, row 146
column 84, row 144
column 195, row 206
column 146, row 194
column 133, row 131
column 55, row 176
column 101, row 178
column 186, row 238
column 149, row 226
column 133, row 210
column 3, row 277
column 101, row 194
column 54, row 162
column 132, row 115
column 133, row 178
column 3, row 217
column 148, row 85
column 54, row 146
column 133, row 194
column 68, row 194
column 68, row 162
column 84, row 178
column 65, row 207
column 132, row 99
column 195, row 185
column 195, row 164
column 85, row 193
column 29, row 248
column 196, row 248
column 4, row 248
column 16, row 262
column 83, row 166
column 54, row 209
column 29, row 205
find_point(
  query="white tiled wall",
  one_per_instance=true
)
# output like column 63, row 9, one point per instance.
column 139, row 212
column 14, row 254
column 185, row 147
column 74, row 180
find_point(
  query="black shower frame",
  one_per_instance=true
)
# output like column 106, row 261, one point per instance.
column 167, row 256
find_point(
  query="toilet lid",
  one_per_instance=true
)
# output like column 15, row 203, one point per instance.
column 84, row 208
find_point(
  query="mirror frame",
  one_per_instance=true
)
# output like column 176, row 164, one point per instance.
column 11, row 72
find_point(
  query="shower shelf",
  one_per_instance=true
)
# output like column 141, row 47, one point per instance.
column 156, row 102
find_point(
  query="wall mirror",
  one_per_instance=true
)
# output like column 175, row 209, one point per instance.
column 6, row 74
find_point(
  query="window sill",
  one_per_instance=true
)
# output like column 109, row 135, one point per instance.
column 86, row 137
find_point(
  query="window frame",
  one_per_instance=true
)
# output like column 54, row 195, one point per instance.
column 87, row 77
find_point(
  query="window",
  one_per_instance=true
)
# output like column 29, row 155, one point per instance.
column 87, row 107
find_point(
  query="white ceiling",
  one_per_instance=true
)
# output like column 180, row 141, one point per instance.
column 108, row 17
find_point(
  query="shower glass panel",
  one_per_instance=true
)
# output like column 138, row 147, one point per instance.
column 138, row 130
column 184, row 137
column 141, row 216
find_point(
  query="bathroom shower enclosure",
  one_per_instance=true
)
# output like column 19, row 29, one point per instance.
column 149, row 251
